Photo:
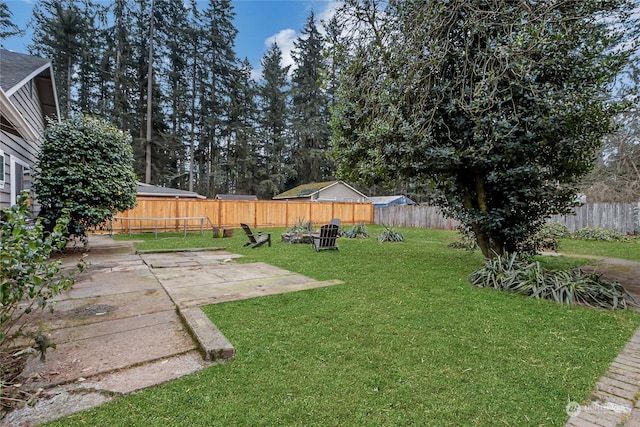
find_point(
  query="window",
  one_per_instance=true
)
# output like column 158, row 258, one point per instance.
column 20, row 178
column 2, row 167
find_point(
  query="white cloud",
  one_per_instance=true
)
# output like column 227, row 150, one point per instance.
column 328, row 12
column 284, row 39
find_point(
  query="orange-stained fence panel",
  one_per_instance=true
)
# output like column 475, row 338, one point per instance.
column 173, row 213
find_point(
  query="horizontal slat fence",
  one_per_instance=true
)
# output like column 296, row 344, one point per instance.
column 230, row 213
column 621, row 217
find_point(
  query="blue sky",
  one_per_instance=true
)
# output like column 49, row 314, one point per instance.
column 259, row 23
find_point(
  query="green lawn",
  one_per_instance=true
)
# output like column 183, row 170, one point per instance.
column 630, row 250
column 404, row 341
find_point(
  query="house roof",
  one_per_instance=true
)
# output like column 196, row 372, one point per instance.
column 387, row 200
column 156, row 191
column 235, row 197
column 307, row 190
column 17, row 69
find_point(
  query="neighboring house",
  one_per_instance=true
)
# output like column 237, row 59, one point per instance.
column 332, row 191
column 27, row 98
column 235, row 197
column 148, row 190
column 383, row 201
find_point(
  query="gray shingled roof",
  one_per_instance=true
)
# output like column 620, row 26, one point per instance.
column 154, row 190
column 236, row 197
column 15, row 68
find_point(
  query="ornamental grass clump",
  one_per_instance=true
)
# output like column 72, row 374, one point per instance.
column 357, row 231
column 389, row 235
column 571, row 287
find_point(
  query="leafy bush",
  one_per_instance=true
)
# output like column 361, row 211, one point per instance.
column 467, row 240
column 603, row 234
column 388, row 235
column 545, row 239
column 357, row 231
column 573, row 287
column 85, row 167
column 29, row 279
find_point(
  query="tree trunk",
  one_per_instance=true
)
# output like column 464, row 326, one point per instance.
column 147, row 174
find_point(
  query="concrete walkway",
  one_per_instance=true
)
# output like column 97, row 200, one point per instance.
column 615, row 400
column 132, row 321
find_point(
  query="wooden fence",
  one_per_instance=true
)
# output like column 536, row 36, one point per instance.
column 413, row 216
column 622, row 217
column 225, row 214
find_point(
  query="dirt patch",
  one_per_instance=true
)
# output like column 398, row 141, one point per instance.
column 625, row 272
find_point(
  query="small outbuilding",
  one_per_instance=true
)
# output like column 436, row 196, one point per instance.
column 384, row 201
column 148, row 190
column 235, row 197
column 330, row 191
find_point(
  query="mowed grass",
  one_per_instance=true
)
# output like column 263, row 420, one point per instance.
column 404, row 341
column 614, row 249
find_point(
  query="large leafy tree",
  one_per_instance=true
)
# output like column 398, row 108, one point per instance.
column 84, row 167
column 500, row 105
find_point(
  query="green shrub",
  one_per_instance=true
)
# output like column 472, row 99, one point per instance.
column 29, row 279
column 467, row 240
column 545, row 239
column 85, row 167
column 603, row 234
column 573, row 287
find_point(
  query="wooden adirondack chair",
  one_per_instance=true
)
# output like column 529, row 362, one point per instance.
column 254, row 240
column 327, row 238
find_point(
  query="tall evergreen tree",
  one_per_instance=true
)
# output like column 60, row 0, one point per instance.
column 92, row 44
column 195, row 38
column 241, row 143
column 7, row 27
column 219, row 63
column 310, row 120
column 273, row 125
column 58, row 27
column 172, row 46
column 118, row 67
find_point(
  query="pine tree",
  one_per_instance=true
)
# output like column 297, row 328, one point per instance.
column 91, row 43
column 172, row 38
column 57, row 30
column 7, row 27
column 241, row 138
column 118, row 68
column 195, row 36
column 310, row 109
column 219, row 63
column 273, row 125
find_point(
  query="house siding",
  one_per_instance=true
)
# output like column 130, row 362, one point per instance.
column 27, row 102
column 20, row 153
column 338, row 193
